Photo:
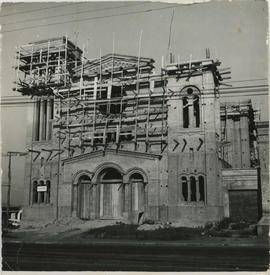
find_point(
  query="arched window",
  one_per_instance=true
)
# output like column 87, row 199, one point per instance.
column 41, row 193
column 201, row 189
column 192, row 189
column 191, row 106
column 193, row 195
column 184, row 188
column 111, row 175
column 137, row 191
column 35, row 193
column 185, row 113
column 196, row 110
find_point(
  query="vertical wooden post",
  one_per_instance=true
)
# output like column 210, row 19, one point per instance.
column 31, row 64
column 9, row 184
column 81, row 78
column 138, row 89
column 94, row 115
column 47, row 63
column 148, row 116
column 66, row 45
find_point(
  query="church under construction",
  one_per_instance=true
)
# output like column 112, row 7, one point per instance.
column 112, row 139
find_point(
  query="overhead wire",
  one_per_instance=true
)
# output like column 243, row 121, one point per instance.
column 93, row 18
column 39, row 9
column 4, row 4
column 72, row 13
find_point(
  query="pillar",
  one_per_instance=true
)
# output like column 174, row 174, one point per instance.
column 36, row 134
column 237, row 158
column 41, row 119
column 229, row 138
column 245, row 148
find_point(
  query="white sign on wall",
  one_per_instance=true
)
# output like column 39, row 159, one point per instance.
column 42, row 188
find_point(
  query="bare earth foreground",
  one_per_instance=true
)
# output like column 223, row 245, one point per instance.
column 69, row 246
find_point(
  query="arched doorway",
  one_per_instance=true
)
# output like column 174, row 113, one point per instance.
column 112, row 194
column 85, row 202
column 137, row 186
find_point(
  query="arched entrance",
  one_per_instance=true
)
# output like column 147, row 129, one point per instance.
column 137, row 193
column 112, row 194
column 85, row 197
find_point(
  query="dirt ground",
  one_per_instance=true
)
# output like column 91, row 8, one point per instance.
column 75, row 231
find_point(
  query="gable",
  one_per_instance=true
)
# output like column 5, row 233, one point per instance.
column 115, row 62
column 111, row 152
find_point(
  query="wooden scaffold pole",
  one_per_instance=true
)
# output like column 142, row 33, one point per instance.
column 137, row 89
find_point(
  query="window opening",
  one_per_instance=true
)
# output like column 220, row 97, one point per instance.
column 189, row 91
column 193, row 189
column 185, row 188
column 35, row 193
column 201, row 189
column 113, row 107
column 111, row 175
column 137, row 185
column 41, row 193
column 48, row 192
column 185, row 112
column 196, row 108
column 37, row 124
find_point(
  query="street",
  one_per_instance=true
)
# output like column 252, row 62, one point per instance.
column 131, row 257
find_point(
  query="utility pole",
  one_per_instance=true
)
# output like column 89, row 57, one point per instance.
column 11, row 154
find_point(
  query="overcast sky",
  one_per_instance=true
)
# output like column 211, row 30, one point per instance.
column 234, row 31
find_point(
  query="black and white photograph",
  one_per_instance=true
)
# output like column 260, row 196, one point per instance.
column 135, row 136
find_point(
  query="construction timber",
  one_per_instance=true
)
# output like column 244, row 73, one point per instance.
column 115, row 101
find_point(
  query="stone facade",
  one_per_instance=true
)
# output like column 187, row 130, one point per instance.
column 152, row 148
column 263, row 151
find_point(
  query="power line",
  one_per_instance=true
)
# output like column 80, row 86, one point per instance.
column 73, row 13
column 40, row 9
column 3, row 5
column 92, row 18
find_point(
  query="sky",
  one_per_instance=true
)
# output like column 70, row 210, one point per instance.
column 234, row 31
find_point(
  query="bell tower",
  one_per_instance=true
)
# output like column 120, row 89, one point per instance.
column 194, row 182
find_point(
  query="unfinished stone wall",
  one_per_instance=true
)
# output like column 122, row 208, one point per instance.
column 193, row 153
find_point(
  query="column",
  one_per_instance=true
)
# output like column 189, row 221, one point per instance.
column 41, row 120
column 197, row 189
column 245, row 149
column 45, row 118
column 189, row 189
column 237, row 145
column 36, row 122
column 49, row 122
column 229, row 138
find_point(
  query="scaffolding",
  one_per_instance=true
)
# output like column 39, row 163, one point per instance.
column 115, row 101
column 44, row 65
